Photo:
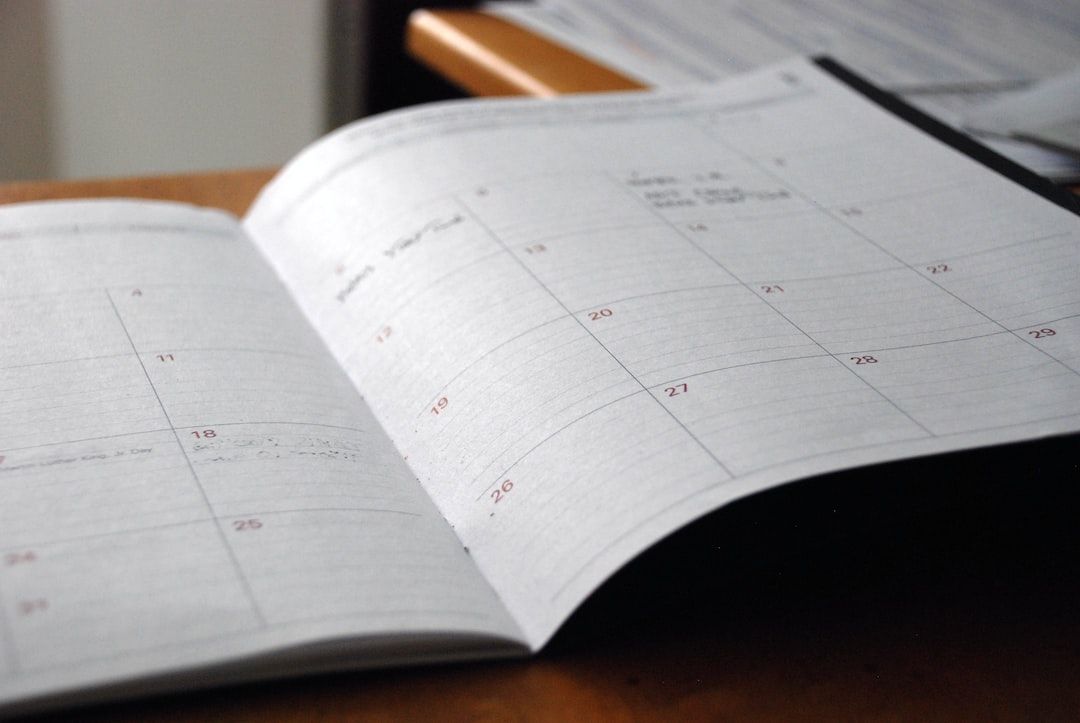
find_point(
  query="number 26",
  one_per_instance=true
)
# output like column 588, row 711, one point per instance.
column 502, row 490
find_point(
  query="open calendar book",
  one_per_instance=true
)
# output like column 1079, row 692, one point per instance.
column 461, row 363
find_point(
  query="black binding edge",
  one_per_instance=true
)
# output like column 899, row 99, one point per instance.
column 950, row 136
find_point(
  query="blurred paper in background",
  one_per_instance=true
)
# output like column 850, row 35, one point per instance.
column 946, row 57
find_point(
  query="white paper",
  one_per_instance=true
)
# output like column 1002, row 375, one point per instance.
column 589, row 321
column 580, row 323
column 186, row 477
column 955, row 50
column 1048, row 112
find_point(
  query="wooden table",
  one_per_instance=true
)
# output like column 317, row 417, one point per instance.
column 230, row 190
column 489, row 56
column 934, row 596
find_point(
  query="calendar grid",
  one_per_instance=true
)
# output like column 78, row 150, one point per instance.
column 494, row 237
column 237, row 569
column 1010, row 331
column 839, row 218
column 231, row 353
column 785, row 317
column 525, row 362
column 633, row 312
column 511, row 246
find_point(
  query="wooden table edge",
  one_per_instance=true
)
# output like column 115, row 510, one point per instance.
column 490, row 56
column 232, row 191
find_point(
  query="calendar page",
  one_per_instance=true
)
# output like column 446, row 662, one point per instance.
column 586, row 322
column 187, row 478
column 462, row 363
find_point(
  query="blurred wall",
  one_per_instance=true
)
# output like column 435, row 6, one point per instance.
column 25, row 149
column 124, row 87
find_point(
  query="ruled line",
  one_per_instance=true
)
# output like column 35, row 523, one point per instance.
column 214, row 519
